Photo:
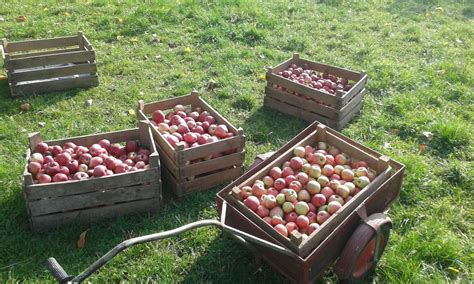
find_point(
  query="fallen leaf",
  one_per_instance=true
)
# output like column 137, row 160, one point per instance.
column 394, row 131
column 386, row 145
column 45, row 9
column 158, row 57
column 211, row 84
column 261, row 77
column 422, row 148
column 452, row 269
column 3, row 77
column 2, row 19
column 131, row 112
column 25, row 107
column 21, row 18
column 67, row 14
column 42, row 124
column 145, row 57
column 134, row 39
column 428, row 135
column 120, row 21
column 82, row 240
column 187, row 50
column 459, row 41
column 88, row 102
column 439, row 9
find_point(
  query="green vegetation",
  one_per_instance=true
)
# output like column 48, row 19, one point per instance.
column 418, row 55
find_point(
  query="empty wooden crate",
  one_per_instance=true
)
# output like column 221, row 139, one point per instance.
column 55, row 204
column 187, row 170
column 310, row 103
column 46, row 65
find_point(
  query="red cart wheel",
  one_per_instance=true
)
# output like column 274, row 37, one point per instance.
column 363, row 250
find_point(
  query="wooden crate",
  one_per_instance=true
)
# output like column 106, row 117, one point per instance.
column 321, row 133
column 46, row 65
column 55, row 204
column 184, row 178
column 307, row 269
column 311, row 104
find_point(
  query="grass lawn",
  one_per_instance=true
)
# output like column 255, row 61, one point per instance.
column 419, row 57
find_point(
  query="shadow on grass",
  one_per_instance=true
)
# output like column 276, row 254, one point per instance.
column 266, row 125
column 226, row 261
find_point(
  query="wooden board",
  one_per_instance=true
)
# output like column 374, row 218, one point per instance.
column 329, row 136
column 28, row 45
column 56, row 71
column 55, row 85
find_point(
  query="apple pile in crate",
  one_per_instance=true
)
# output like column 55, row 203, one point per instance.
column 307, row 189
column 53, row 163
column 323, row 82
column 188, row 127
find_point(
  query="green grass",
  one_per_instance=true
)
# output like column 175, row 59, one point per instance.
column 418, row 55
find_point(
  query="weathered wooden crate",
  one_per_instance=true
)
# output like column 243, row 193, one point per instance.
column 46, row 65
column 327, row 244
column 321, row 133
column 55, row 204
column 183, row 177
column 311, row 104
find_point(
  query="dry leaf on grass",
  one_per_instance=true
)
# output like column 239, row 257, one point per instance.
column 82, row 240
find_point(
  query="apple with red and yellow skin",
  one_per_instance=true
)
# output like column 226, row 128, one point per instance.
column 303, row 178
column 343, row 191
column 334, row 184
column 37, row 157
column 281, row 229
column 334, row 206
column 330, row 160
column 361, row 182
column 333, row 151
column 295, row 185
column 280, row 198
column 272, row 191
column 291, row 217
column 34, row 168
column 269, row 201
column 80, row 176
column 252, row 202
column 318, row 158
column 315, row 171
column 337, row 198
column 338, row 169
column 268, row 219
column 288, row 207
column 311, row 216
column 323, row 180
column 304, row 195
column 341, row 159
column 322, row 216
column 327, row 192
column 291, row 226
column 258, row 189
column 289, row 179
column 262, row 211
column 60, row 177
column 41, row 148
column 277, row 211
column 299, row 151
column 302, row 222
column 291, row 195
column 312, row 208
column 277, row 220
column 313, row 187
column 361, row 172
column 296, row 163
column 306, row 168
column 327, row 170
column 301, row 208
column 268, row 181
column 279, row 184
column 245, row 191
column 275, row 173
column 318, row 200
column 313, row 227
column 287, row 171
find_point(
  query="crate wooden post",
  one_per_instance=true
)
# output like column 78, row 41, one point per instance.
column 56, row 204
column 311, row 104
column 47, row 65
column 190, row 170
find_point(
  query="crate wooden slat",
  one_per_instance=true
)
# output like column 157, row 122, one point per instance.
column 186, row 178
column 57, row 204
column 334, row 110
column 306, row 269
column 46, row 65
column 319, row 133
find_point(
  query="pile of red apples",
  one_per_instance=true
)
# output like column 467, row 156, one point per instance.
column 190, row 128
column 54, row 163
column 323, row 82
column 305, row 191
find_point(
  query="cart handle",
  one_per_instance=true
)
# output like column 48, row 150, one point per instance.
column 60, row 274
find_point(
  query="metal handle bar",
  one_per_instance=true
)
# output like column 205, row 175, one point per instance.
column 62, row 277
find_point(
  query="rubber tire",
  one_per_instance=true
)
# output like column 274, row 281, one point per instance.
column 358, row 244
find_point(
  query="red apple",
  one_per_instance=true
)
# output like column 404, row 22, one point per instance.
column 296, row 163
column 60, row 177
column 280, row 228
column 80, row 176
column 252, row 202
column 37, row 157
column 34, row 168
column 318, row 200
column 221, row 131
column 41, row 148
column 100, row 171
column 258, row 189
column 291, row 226
column 64, row 170
column 303, row 178
column 312, row 228
column 275, row 172
column 120, row 168
column 322, row 216
column 262, row 211
column 52, row 168
column 63, row 158
column 302, row 222
column 95, row 161
column 333, row 206
column 287, row 171
column 158, row 116
column 69, row 145
column 44, row 178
